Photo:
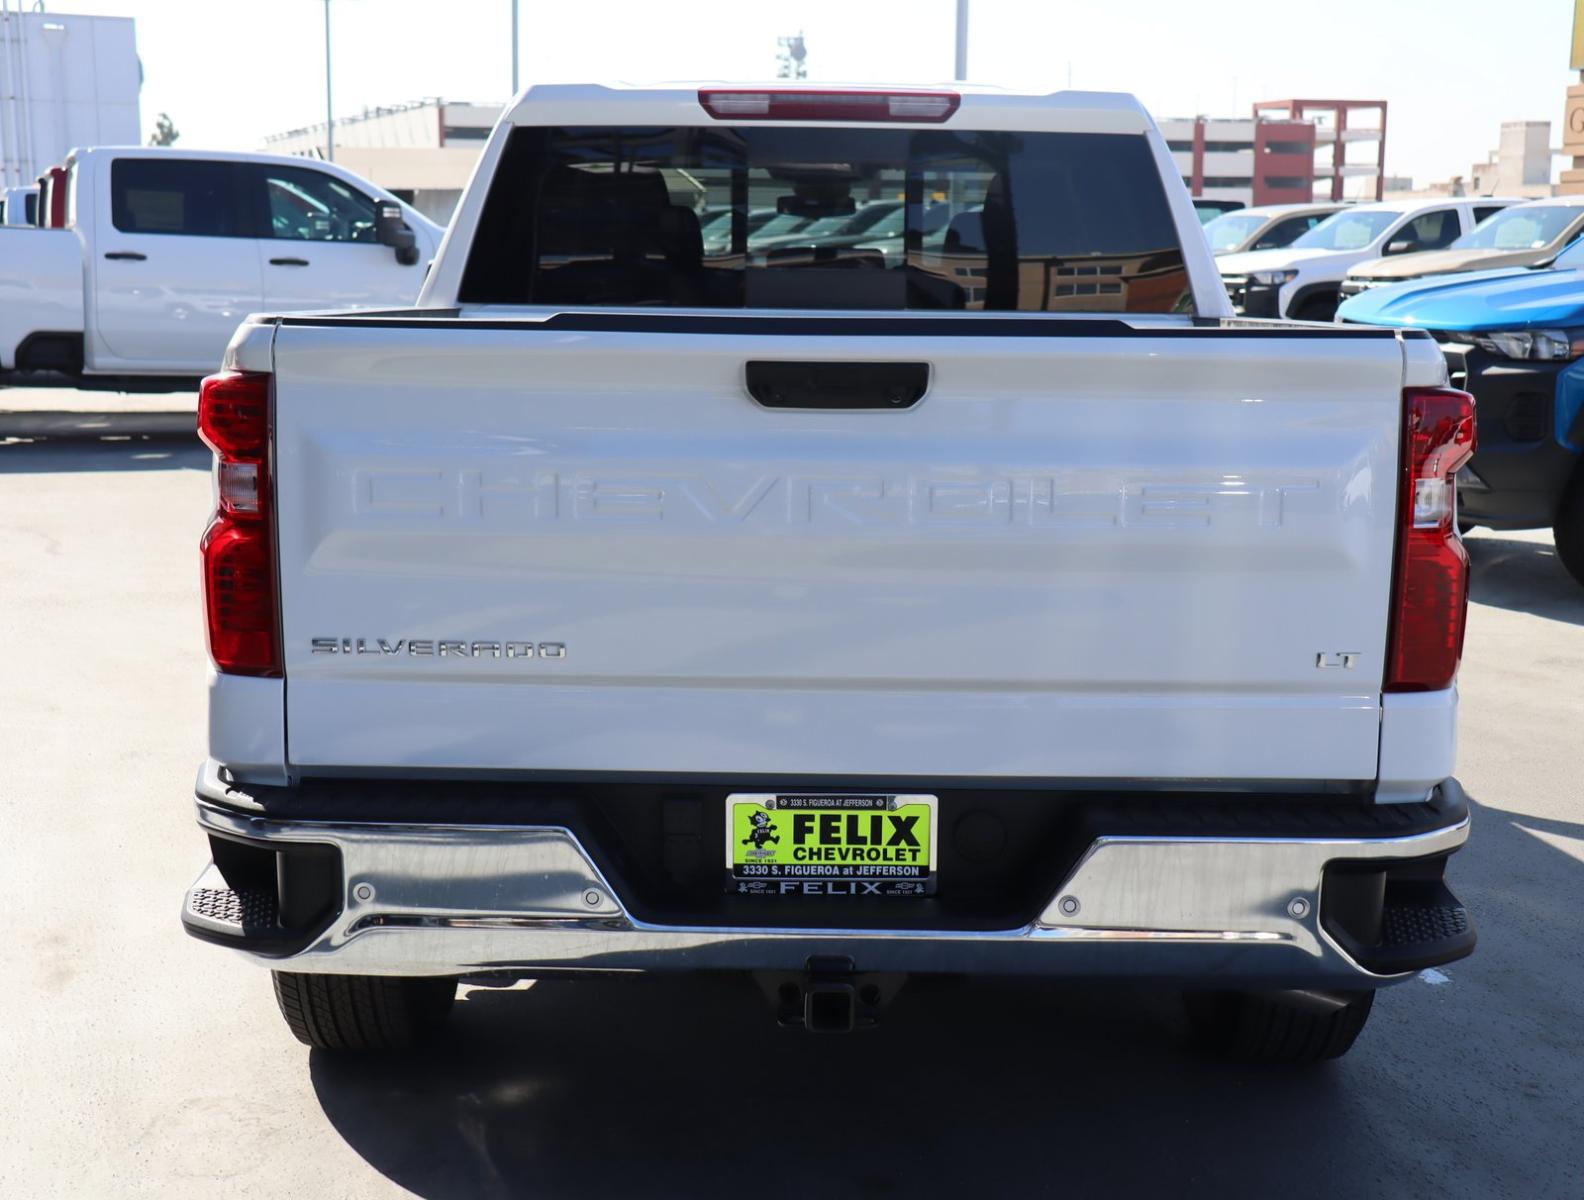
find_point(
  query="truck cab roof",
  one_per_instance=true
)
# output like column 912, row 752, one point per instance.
column 678, row 103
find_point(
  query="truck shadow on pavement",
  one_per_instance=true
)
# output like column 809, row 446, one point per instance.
column 1523, row 576
column 651, row 1086
column 96, row 452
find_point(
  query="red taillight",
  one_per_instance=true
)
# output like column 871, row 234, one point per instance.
column 238, row 548
column 239, row 597
column 1430, row 592
column 52, row 198
column 233, row 414
column 813, row 104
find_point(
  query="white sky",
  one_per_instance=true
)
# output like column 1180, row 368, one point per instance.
column 231, row 71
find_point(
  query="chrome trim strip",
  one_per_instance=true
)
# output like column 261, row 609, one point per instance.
column 467, row 899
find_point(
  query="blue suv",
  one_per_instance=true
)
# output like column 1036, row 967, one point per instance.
column 1515, row 339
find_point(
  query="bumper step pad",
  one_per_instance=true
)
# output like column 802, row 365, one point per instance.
column 235, row 912
column 247, row 918
column 1422, row 925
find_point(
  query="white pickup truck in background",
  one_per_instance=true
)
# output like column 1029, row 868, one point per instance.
column 19, row 205
column 1303, row 279
column 999, row 606
column 150, row 258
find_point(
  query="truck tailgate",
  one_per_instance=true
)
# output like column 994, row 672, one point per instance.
column 41, row 289
column 1093, row 550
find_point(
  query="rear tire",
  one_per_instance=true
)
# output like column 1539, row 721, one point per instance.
column 362, row 1013
column 1568, row 530
column 1277, row 1027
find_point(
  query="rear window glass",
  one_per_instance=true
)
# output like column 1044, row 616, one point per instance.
column 176, row 196
column 729, row 217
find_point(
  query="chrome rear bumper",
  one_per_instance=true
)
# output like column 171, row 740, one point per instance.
column 454, row 899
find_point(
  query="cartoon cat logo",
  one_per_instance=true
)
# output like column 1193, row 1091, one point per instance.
column 763, row 831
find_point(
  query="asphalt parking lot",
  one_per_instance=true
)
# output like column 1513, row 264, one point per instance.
column 135, row 1062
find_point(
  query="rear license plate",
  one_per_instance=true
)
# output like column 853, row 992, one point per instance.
column 846, row 844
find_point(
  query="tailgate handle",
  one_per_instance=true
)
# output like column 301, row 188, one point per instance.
column 841, row 385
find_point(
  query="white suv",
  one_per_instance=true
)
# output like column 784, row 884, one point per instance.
column 1301, row 281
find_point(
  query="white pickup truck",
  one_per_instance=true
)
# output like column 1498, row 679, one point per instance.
column 19, row 205
column 149, row 258
column 1303, row 279
column 1000, row 607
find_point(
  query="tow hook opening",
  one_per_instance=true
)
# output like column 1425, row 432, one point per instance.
column 829, row 996
column 829, row 1007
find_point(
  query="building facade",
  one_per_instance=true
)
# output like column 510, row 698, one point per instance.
column 65, row 81
column 1254, row 161
column 1288, row 152
column 423, row 152
column 1350, row 144
column 1520, row 165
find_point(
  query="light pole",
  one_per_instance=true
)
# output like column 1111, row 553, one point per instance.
column 329, row 110
column 514, row 49
column 962, row 39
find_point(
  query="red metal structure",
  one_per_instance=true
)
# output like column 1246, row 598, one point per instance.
column 1196, row 183
column 1279, row 168
column 1284, row 156
column 1339, row 111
